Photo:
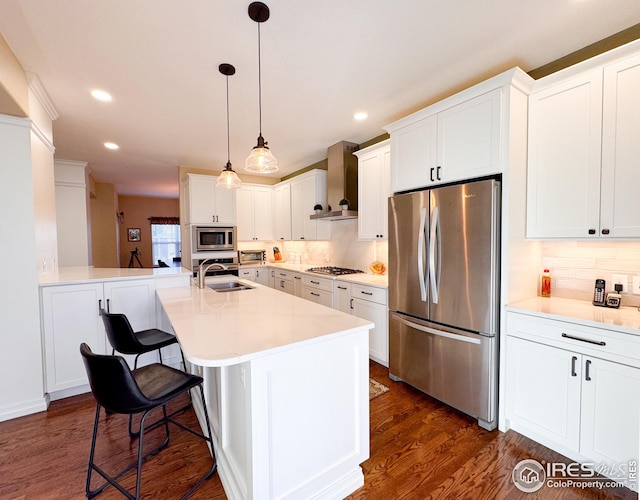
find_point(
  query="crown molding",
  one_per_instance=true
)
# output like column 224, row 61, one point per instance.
column 36, row 86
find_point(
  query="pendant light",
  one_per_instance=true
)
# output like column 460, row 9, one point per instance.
column 228, row 178
column 261, row 159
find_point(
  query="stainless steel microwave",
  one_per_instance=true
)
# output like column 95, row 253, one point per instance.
column 207, row 239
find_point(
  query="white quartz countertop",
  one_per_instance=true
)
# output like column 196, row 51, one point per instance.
column 221, row 329
column 624, row 319
column 67, row 275
column 363, row 278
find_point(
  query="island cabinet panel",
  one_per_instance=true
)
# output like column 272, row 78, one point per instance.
column 574, row 389
column 283, row 429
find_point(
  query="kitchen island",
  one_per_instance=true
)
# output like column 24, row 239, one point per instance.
column 286, row 382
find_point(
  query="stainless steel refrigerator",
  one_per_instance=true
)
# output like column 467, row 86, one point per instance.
column 444, row 281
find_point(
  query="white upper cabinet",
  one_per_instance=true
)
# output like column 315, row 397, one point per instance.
column 583, row 153
column 254, row 214
column 458, row 142
column 282, row 211
column 206, row 203
column 619, row 211
column 373, row 190
column 563, row 178
column 307, row 190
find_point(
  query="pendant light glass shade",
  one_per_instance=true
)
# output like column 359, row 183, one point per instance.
column 228, row 178
column 261, row 159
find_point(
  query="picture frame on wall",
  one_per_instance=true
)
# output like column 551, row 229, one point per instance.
column 133, row 234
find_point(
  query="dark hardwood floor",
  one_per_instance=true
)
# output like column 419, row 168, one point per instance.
column 420, row 449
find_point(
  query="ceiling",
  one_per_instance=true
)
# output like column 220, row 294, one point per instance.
column 321, row 62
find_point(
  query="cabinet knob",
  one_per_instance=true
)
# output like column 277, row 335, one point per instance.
column 605, row 231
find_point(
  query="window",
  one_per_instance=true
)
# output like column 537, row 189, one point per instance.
column 165, row 242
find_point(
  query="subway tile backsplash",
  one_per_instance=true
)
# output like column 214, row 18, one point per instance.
column 575, row 265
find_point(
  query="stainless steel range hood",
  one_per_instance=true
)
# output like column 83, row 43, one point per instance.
column 342, row 182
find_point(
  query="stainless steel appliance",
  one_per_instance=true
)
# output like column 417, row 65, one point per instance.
column 333, row 271
column 207, row 239
column 251, row 257
column 227, row 264
column 444, row 294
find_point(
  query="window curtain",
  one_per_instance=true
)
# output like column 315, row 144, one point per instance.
column 164, row 220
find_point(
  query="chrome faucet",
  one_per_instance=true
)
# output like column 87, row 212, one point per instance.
column 202, row 271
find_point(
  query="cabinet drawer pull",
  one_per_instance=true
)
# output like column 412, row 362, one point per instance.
column 438, row 173
column 592, row 231
column 596, row 342
column 366, row 293
column 108, row 305
column 351, row 304
column 573, row 365
column 587, row 365
column 297, row 278
column 314, row 282
column 100, row 307
column 315, row 294
column 605, row 231
column 342, row 287
column 283, row 274
column 431, row 174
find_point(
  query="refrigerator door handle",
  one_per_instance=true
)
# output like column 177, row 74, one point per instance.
column 421, row 243
column 440, row 333
column 434, row 237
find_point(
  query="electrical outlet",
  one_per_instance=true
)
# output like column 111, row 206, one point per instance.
column 636, row 285
column 622, row 279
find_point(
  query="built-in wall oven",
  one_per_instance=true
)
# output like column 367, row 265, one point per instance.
column 208, row 239
column 227, row 263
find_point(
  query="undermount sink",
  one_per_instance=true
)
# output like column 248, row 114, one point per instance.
column 229, row 286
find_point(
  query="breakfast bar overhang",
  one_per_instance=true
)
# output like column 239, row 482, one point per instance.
column 286, row 382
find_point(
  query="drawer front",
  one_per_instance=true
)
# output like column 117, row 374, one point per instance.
column 372, row 293
column 319, row 283
column 600, row 342
column 282, row 275
column 248, row 274
column 318, row 296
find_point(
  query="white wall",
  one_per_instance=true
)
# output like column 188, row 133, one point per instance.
column 72, row 219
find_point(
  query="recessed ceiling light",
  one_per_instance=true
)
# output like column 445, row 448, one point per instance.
column 101, row 95
column 111, row 145
column 361, row 115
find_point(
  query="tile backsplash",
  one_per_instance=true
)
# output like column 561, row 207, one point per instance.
column 575, row 265
column 343, row 249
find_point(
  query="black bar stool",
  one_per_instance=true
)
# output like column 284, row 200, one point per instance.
column 118, row 389
column 124, row 340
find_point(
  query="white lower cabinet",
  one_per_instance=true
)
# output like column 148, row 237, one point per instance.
column 318, row 290
column 367, row 302
column 565, row 394
column 247, row 274
column 70, row 315
column 283, row 281
column 263, row 276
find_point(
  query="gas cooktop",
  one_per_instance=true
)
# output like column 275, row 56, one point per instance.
column 333, row 271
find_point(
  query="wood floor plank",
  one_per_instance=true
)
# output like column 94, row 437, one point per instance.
column 420, row 449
